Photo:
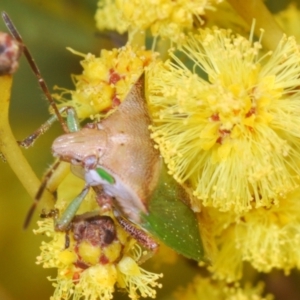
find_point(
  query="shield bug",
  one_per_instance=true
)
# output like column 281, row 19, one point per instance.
column 117, row 157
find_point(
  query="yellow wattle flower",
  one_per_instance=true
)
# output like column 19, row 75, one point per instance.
column 100, row 256
column 232, row 134
column 105, row 80
column 208, row 289
column 267, row 239
column 169, row 19
column 109, row 17
column 270, row 238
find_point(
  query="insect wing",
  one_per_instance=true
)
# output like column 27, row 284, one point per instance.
column 171, row 221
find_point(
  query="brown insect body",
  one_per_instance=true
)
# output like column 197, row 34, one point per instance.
column 121, row 145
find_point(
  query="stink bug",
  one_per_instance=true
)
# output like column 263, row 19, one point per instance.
column 117, row 158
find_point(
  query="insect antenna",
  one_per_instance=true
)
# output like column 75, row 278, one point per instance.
column 40, row 192
column 11, row 27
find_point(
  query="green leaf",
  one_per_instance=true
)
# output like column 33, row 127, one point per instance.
column 171, row 220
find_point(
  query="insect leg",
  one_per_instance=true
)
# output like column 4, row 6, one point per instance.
column 39, row 194
column 72, row 125
column 35, row 69
column 140, row 235
column 64, row 221
column 72, row 119
column 67, row 239
column 54, row 214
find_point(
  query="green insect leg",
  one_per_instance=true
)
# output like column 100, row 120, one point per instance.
column 63, row 223
column 72, row 124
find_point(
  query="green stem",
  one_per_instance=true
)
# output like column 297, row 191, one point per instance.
column 256, row 9
column 11, row 150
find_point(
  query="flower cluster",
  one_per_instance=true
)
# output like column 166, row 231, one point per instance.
column 203, row 288
column 106, row 80
column 238, row 125
column 227, row 129
column 95, row 256
column 163, row 18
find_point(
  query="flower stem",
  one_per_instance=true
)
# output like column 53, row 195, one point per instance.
column 256, row 9
column 10, row 148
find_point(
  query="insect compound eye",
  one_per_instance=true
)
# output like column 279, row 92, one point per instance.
column 75, row 161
